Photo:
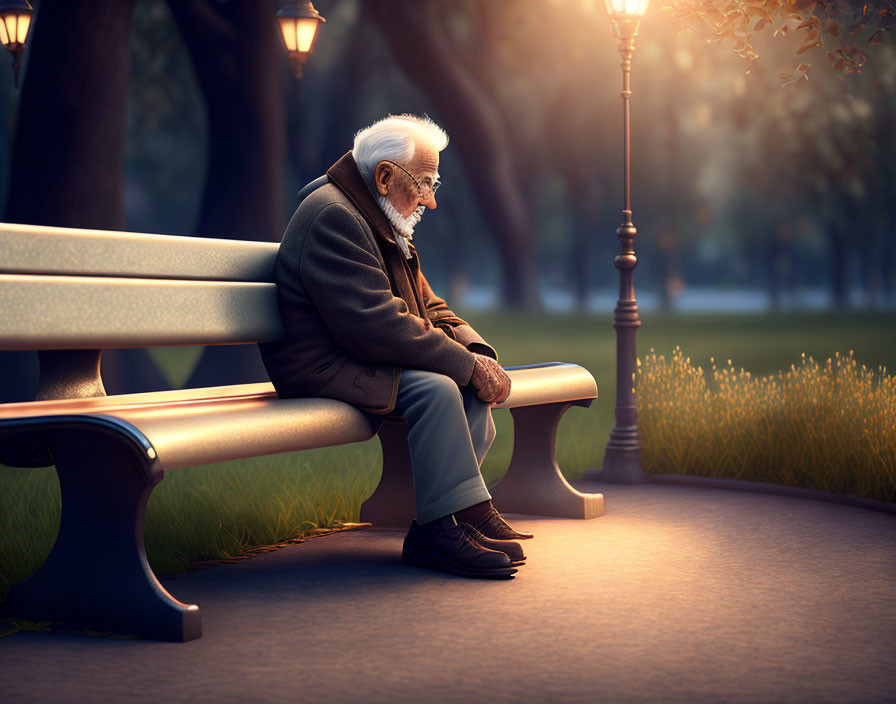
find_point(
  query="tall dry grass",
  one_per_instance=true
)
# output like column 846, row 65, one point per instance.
column 829, row 426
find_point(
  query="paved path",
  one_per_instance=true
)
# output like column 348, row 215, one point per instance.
column 676, row 594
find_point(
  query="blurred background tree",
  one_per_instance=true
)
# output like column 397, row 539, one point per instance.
column 763, row 142
column 841, row 28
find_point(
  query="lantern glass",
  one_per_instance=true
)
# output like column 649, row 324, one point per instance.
column 24, row 24
column 4, row 35
column 288, row 30
column 11, row 33
column 306, row 28
column 630, row 8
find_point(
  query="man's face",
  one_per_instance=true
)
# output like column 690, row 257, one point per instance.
column 400, row 188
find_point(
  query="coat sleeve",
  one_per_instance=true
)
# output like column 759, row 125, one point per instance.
column 352, row 293
column 453, row 326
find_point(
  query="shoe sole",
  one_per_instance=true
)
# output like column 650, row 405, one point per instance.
column 451, row 568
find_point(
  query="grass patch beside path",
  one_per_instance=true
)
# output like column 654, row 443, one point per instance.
column 219, row 511
column 829, row 427
column 762, row 344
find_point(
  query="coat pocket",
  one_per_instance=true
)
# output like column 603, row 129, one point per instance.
column 369, row 386
column 328, row 368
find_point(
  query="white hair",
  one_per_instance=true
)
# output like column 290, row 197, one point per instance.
column 395, row 138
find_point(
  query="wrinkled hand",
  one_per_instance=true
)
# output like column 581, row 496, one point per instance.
column 490, row 381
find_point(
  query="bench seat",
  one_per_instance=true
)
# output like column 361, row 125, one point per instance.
column 186, row 428
column 189, row 427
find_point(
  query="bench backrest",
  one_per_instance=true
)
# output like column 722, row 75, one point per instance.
column 64, row 289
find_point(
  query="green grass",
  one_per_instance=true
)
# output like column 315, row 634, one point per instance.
column 221, row 510
column 202, row 513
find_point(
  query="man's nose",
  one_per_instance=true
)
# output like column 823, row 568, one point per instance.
column 429, row 201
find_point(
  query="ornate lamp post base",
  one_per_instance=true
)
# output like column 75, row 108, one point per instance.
column 620, row 467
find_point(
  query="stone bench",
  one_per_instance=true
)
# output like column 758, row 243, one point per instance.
column 72, row 293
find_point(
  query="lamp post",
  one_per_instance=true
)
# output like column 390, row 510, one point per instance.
column 15, row 21
column 298, row 27
column 622, row 459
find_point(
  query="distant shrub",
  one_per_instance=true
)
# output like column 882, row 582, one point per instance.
column 830, row 427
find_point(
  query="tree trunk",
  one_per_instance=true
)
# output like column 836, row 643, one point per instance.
column 239, row 62
column 67, row 156
column 239, row 65
column 427, row 58
column 478, row 58
column 580, row 250
column 838, row 240
column 574, row 149
column 355, row 68
column 888, row 259
column 70, row 132
column 775, row 270
column 869, row 269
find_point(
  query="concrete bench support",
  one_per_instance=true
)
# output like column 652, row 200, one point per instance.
column 533, row 483
column 70, row 374
column 392, row 504
column 97, row 575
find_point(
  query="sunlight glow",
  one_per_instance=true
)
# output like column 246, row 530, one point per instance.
column 703, row 115
column 683, row 59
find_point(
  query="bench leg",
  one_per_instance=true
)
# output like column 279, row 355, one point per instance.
column 533, row 483
column 392, row 504
column 97, row 575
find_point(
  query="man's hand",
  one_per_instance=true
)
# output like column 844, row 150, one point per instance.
column 490, row 381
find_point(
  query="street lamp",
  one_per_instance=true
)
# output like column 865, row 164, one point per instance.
column 298, row 26
column 622, row 459
column 15, row 20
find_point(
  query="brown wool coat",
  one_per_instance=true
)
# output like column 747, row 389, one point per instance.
column 354, row 309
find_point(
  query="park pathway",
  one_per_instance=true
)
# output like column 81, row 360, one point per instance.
column 676, row 594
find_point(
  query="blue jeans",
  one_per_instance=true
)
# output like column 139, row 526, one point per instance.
column 449, row 432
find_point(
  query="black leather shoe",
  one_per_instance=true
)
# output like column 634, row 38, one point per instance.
column 494, row 527
column 443, row 545
column 513, row 550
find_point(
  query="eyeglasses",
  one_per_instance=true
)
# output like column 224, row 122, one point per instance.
column 431, row 186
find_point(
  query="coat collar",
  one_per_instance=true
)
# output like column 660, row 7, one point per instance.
column 348, row 179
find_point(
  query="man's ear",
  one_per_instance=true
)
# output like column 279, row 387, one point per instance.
column 382, row 177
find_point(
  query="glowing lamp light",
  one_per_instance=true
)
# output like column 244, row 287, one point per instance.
column 15, row 21
column 298, row 27
column 629, row 8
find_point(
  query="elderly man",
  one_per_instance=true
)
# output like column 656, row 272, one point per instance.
column 363, row 326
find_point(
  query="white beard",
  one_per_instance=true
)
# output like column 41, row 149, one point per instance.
column 404, row 226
